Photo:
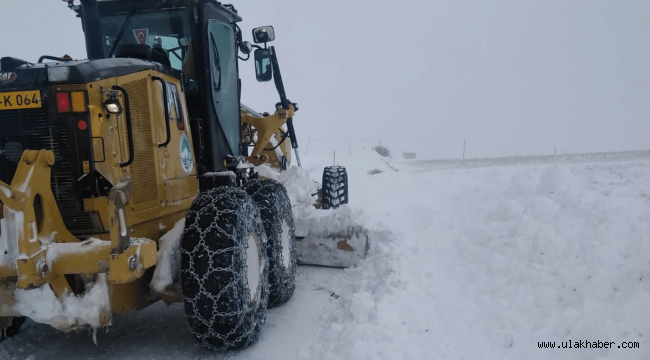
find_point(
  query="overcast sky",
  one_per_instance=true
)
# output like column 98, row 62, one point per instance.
column 510, row 76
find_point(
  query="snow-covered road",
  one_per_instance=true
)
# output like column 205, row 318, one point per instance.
column 481, row 259
column 161, row 331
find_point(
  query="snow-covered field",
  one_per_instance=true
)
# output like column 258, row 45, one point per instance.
column 481, row 259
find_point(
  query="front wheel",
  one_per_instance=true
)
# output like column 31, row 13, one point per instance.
column 224, row 269
column 335, row 187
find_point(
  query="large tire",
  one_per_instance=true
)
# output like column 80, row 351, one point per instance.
column 224, row 269
column 13, row 329
column 275, row 208
column 335, row 187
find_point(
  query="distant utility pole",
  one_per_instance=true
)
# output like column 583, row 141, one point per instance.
column 463, row 149
column 556, row 151
column 308, row 140
column 350, row 150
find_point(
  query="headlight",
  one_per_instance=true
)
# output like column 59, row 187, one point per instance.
column 112, row 104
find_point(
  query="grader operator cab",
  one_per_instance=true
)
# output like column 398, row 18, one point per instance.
column 105, row 162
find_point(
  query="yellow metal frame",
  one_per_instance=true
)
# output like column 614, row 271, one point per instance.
column 36, row 239
column 268, row 127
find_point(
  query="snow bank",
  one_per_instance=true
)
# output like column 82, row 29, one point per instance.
column 487, row 262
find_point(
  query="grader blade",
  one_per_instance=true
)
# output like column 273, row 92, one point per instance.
column 324, row 242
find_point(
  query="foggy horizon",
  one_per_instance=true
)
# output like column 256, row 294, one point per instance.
column 510, row 78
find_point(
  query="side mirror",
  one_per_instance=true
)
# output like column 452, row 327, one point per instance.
column 263, row 68
column 263, row 34
column 245, row 48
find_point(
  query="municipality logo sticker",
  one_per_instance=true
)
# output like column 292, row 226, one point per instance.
column 187, row 162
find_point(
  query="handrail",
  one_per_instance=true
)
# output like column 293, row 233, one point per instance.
column 166, row 105
column 129, row 127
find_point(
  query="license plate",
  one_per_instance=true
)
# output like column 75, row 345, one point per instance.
column 20, row 100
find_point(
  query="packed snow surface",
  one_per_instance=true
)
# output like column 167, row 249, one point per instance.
column 481, row 259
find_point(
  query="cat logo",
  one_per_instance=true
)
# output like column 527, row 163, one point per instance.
column 8, row 76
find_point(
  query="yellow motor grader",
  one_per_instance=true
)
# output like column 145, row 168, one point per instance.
column 112, row 167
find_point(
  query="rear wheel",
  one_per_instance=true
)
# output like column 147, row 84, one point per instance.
column 335, row 187
column 275, row 208
column 14, row 326
column 224, row 269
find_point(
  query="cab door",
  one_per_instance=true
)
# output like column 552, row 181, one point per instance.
column 223, row 81
column 178, row 163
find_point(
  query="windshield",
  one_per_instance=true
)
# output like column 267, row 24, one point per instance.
column 169, row 30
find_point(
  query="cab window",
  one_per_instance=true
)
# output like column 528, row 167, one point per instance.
column 168, row 30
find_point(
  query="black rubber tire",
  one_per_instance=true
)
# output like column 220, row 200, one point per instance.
column 223, row 314
column 275, row 208
column 14, row 328
column 335, row 187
